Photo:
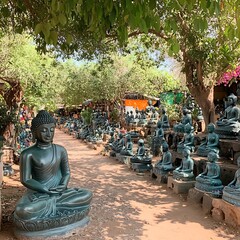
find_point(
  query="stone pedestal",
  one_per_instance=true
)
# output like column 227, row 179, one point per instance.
column 223, row 210
column 160, row 177
column 200, row 198
column 141, row 168
column 180, row 186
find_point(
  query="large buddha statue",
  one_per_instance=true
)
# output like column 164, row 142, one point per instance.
column 188, row 139
column 209, row 181
column 228, row 126
column 210, row 144
column 164, row 165
column 185, row 171
column 127, row 150
column 48, row 207
column 231, row 192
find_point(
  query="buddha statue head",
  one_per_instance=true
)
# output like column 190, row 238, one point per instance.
column 211, row 127
column 43, row 126
column 128, row 137
column 188, row 128
column 140, row 142
column 231, row 100
column 164, row 146
column 212, row 156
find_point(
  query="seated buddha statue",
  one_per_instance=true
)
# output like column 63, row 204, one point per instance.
column 154, row 117
column 209, row 180
column 186, row 118
column 188, row 139
column 231, row 192
column 164, row 120
column 138, row 157
column 185, row 171
column 211, row 143
column 142, row 118
column 44, row 171
column 118, row 145
column 228, row 126
column 127, row 150
column 164, row 165
column 157, row 139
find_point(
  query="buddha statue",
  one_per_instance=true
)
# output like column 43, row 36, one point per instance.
column 143, row 119
column 231, row 192
column 157, row 139
column 211, row 143
column 49, row 206
column 127, row 150
column 118, row 145
column 138, row 157
column 185, row 171
column 135, row 120
column 209, row 181
column 154, row 117
column 127, row 118
column 186, row 118
column 228, row 126
column 188, row 139
column 131, row 117
column 150, row 106
column 164, row 120
column 164, row 165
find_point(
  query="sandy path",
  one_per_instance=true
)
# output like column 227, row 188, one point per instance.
column 127, row 206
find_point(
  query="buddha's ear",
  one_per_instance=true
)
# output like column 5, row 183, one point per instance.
column 33, row 137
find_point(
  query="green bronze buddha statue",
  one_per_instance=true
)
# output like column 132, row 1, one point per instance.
column 228, row 126
column 209, row 181
column 185, row 171
column 127, row 150
column 210, row 144
column 231, row 192
column 48, row 207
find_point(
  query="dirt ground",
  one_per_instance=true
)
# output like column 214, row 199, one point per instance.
column 125, row 205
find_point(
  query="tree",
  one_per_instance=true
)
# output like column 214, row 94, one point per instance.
column 201, row 34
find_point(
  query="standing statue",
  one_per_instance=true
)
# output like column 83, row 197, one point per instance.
column 48, row 207
column 231, row 192
column 209, row 180
column 185, row 171
column 188, row 139
column 211, row 143
column 228, row 126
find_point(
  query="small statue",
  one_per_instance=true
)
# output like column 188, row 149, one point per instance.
column 127, row 118
column 185, row 171
column 48, row 203
column 127, row 150
column 186, row 118
column 143, row 119
column 211, row 143
column 164, row 165
column 135, row 120
column 157, row 139
column 140, row 152
column 154, row 117
column 228, row 126
column 118, row 145
column 188, row 140
column 150, row 106
column 164, row 120
column 131, row 117
column 231, row 192
column 209, row 181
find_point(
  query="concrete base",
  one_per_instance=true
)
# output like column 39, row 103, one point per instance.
column 180, row 186
column 161, row 178
column 200, row 198
column 140, row 168
column 223, row 210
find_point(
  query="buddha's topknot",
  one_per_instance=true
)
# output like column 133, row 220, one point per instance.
column 43, row 117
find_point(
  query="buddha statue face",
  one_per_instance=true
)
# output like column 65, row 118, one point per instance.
column 212, row 156
column 45, row 133
column 186, row 152
column 232, row 99
column 165, row 147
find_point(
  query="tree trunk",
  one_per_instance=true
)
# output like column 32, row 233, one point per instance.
column 204, row 98
column 203, row 95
